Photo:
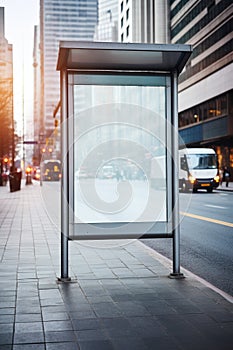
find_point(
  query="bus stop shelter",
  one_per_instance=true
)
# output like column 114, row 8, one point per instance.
column 119, row 142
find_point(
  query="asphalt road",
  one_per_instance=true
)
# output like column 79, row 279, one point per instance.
column 206, row 237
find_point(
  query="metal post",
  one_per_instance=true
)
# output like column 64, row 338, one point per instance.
column 175, row 180
column 64, row 180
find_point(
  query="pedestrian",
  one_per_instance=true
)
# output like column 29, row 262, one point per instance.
column 226, row 175
column 221, row 171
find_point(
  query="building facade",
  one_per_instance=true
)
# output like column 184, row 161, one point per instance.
column 143, row 21
column 7, row 147
column 206, row 86
column 60, row 20
column 38, row 120
column 107, row 26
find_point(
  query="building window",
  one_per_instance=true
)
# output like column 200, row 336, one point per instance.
column 127, row 14
column 122, row 22
column 216, row 107
column 122, row 6
column 178, row 7
column 224, row 30
column 122, row 37
column 127, row 31
column 215, row 56
column 215, row 11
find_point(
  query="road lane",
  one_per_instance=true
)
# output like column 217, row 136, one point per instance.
column 205, row 204
column 215, row 206
column 206, row 238
column 204, row 218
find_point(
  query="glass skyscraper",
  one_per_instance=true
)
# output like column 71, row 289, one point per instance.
column 60, row 20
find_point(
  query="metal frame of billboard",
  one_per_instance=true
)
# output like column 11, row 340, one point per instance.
column 88, row 62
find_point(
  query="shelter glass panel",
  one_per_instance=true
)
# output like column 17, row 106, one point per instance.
column 119, row 150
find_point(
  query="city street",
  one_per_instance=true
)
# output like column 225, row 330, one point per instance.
column 120, row 296
column 116, row 175
column 206, row 238
column 206, row 233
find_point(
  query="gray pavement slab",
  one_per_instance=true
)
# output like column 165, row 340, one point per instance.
column 120, row 296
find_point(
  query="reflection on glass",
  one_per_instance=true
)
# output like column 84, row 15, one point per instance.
column 202, row 161
column 119, row 154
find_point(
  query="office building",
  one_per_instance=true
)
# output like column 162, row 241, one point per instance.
column 38, row 120
column 6, row 59
column 60, row 20
column 6, row 88
column 107, row 26
column 143, row 21
column 206, row 85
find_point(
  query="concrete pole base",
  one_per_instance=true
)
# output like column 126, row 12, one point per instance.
column 177, row 276
column 64, row 280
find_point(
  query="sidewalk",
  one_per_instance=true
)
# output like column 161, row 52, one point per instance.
column 120, row 298
column 224, row 188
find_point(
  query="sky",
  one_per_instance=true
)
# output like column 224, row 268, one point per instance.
column 20, row 18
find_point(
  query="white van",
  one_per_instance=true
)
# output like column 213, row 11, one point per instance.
column 198, row 169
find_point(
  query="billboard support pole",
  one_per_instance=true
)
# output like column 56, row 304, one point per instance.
column 175, row 180
column 64, row 181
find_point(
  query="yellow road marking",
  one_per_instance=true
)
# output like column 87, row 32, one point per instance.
column 220, row 222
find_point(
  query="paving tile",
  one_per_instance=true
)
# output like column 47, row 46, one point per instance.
column 33, row 317
column 76, row 306
column 7, row 293
column 29, row 338
column 147, row 327
column 131, row 308
column 84, row 324
column 221, row 316
column 56, row 316
column 52, row 309
column 192, row 343
column 5, row 304
column 9, row 298
column 6, row 328
column 27, row 294
column 126, row 343
column 184, row 307
column 96, row 345
column 91, row 335
column 51, row 302
column 99, row 299
column 177, row 325
column 61, row 336
column 50, row 294
column 82, row 314
column 120, row 331
column 26, row 275
column 162, row 343
column 199, row 320
column 123, row 297
column 27, row 309
column 29, row 347
column 5, row 347
column 63, row 346
column 159, row 307
column 30, row 327
column 6, row 319
column 106, row 310
column 6, row 338
column 57, row 326
column 7, row 311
